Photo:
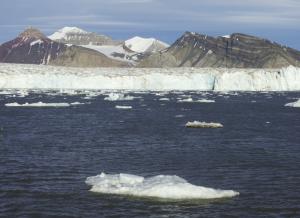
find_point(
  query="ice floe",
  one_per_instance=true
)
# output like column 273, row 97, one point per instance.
column 206, row 101
column 38, row 104
column 42, row 104
column 123, row 107
column 198, row 124
column 164, row 99
column 162, row 186
column 118, row 97
column 186, row 100
column 293, row 104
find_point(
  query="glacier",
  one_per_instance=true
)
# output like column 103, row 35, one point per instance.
column 18, row 76
column 162, row 186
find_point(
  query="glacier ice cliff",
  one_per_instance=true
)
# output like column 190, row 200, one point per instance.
column 14, row 76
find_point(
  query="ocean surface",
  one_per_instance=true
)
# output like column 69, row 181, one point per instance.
column 46, row 154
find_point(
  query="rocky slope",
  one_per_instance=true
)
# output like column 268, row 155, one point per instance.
column 33, row 47
column 237, row 50
column 77, row 56
column 77, row 36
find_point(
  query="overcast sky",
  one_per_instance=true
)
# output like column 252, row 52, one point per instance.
column 278, row 20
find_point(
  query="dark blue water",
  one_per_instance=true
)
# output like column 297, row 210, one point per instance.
column 47, row 153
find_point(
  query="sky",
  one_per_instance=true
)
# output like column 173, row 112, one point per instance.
column 167, row 20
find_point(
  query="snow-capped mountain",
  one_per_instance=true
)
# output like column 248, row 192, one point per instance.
column 77, row 36
column 235, row 50
column 33, row 47
column 132, row 50
column 145, row 45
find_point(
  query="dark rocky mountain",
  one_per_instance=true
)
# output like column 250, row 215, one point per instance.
column 237, row 50
column 33, row 47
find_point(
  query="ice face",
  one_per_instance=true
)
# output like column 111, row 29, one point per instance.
column 162, row 186
column 163, row 79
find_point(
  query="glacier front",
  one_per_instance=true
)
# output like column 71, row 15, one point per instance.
column 16, row 76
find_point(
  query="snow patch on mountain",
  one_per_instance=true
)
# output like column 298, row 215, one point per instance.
column 116, row 52
column 142, row 45
column 65, row 32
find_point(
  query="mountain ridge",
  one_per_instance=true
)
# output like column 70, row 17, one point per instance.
column 237, row 50
column 192, row 49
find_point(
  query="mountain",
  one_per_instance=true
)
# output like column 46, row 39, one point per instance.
column 145, row 45
column 132, row 50
column 77, row 36
column 33, row 47
column 237, row 50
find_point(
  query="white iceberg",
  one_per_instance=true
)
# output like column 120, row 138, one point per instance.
column 38, row 104
column 186, row 100
column 123, row 107
column 118, row 97
column 164, row 99
column 293, row 104
column 162, row 186
column 206, row 101
column 197, row 124
column 77, row 103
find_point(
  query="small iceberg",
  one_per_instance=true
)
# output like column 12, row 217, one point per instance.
column 38, row 104
column 162, row 186
column 118, row 97
column 78, row 103
column 164, row 99
column 206, row 101
column 199, row 101
column 197, row 124
column 123, row 107
column 293, row 104
column 186, row 100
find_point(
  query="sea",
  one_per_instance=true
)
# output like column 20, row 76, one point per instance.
column 48, row 152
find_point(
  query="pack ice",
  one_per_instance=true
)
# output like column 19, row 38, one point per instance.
column 162, row 186
column 13, row 76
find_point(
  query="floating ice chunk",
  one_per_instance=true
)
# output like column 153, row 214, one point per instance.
column 164, row 99
column 186, row 100
column 197, row 124
column 162, row 186
column 199, row 101
column 77, row 103
column 206, row 101
column 123, row 107
column 293, row 104
column 118, row 97
column 38, row 104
